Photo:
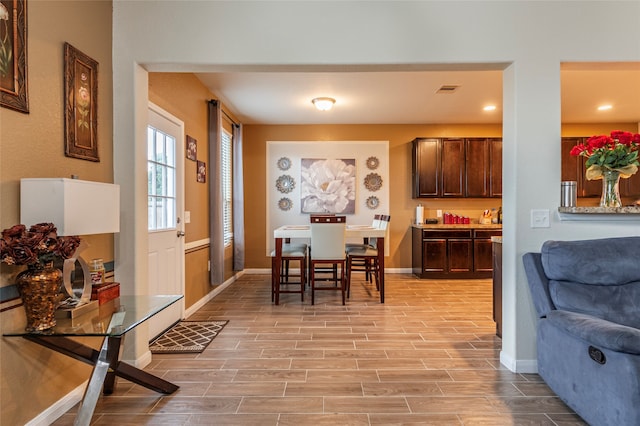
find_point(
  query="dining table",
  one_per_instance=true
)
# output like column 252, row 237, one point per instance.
column 286, row 232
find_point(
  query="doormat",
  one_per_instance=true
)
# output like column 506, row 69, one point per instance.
column 187, row 337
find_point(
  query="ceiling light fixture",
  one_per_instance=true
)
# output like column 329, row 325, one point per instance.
column 605, row 107
column 323, row 104
column 489, row 108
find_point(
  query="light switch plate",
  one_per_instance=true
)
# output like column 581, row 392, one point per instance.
column 540, row 218
column 187, row 216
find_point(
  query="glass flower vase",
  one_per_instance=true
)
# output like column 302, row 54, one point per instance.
column 39, row 289
column 610, row 189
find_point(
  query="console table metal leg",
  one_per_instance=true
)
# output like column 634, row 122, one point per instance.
column 114, row 346
column 91, row 394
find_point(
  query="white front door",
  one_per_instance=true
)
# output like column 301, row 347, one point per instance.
column 165, row 201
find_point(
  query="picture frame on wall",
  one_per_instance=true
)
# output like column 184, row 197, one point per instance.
column 192, row 148
column 201, row 171
column 13, row 55
column 81, row 104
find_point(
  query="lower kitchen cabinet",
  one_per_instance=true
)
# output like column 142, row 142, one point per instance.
column 452, row 253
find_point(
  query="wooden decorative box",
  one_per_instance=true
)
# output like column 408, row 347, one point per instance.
column 105, row 292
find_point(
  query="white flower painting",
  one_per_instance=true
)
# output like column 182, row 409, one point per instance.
column 328, row 185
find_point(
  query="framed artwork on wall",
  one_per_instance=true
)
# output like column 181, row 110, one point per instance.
column 192, row 148
column 328, row 185
column 201, row 170
column 81, row 104
column 13, row 55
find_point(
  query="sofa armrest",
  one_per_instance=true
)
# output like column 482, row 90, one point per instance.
column 538, row 283
column 597, row 331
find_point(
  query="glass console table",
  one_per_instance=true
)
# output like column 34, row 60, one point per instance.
column 112, row 321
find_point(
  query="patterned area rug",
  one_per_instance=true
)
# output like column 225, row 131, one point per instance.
column 187, row 337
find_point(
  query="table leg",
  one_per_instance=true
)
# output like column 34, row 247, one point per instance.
column 277, row 265
column 113, row 355
column 380, row 246
column 92, row 392
column 90, row 356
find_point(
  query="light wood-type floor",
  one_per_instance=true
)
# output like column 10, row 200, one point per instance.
column 427, row 356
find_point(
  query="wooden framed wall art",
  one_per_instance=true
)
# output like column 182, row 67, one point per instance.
column 81, row 104
column 13, row 55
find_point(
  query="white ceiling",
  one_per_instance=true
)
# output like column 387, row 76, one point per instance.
column 409, row 97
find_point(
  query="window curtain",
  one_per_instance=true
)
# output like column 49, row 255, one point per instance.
column 238, row 200
column 216, row 226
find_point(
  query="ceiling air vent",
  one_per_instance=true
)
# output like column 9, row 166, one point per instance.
column 448, row 88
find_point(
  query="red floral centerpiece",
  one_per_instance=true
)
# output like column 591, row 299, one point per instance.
column 610, row 158
column 40, row 284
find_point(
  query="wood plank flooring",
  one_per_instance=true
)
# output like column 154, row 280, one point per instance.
column 427, row 356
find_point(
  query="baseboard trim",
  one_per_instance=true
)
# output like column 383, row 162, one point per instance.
column 213, row 293
column 60, row 407
column 525, row 366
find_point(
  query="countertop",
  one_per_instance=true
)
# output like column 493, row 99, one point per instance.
column 601, row 210
column 458, row 226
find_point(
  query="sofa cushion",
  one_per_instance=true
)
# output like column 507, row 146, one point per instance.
column 615, row 303
column 607, row 261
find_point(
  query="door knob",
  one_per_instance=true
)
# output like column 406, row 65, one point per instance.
column 180, row 233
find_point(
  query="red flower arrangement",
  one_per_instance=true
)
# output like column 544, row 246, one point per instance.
column 35, row 247
column 618, row 152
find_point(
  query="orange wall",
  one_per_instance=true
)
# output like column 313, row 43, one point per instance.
column 32, row 145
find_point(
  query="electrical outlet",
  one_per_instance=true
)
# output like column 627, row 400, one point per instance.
column 438, row 213
column 540, row 218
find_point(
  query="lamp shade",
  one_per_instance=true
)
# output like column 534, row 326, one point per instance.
column 75, row 207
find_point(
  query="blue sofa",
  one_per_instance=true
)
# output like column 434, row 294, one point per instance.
column 587, row 297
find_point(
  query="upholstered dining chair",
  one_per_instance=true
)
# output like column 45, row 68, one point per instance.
column 327, row 249
column 365, row 242
column 364, row 258
column 290, row 253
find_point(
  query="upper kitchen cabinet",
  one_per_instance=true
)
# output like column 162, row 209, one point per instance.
column 483, row 166
column 573, row 168
column 456, row 167
column 453, row 170
column 427, row 173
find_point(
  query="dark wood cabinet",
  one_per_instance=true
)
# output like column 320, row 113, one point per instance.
column 457, row 167
column 452, row 253
column 426, row 168
column 482, row 249
column 478, row 166
column 573, row 168
column 453, row 167
column 495, row 163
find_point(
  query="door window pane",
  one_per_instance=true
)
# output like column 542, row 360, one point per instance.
column 161, row 176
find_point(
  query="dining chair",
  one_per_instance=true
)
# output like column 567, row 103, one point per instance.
column 364, row 258
column 290, row 253
column 365, row 241
column 327, row 249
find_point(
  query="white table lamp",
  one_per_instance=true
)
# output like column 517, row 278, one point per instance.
column 75, row 207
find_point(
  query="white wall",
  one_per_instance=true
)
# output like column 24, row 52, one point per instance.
column 527, row 39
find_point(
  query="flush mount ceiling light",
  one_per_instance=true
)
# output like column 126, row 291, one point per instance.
column 605, row 107
column 489, row 108
column 323, row 104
